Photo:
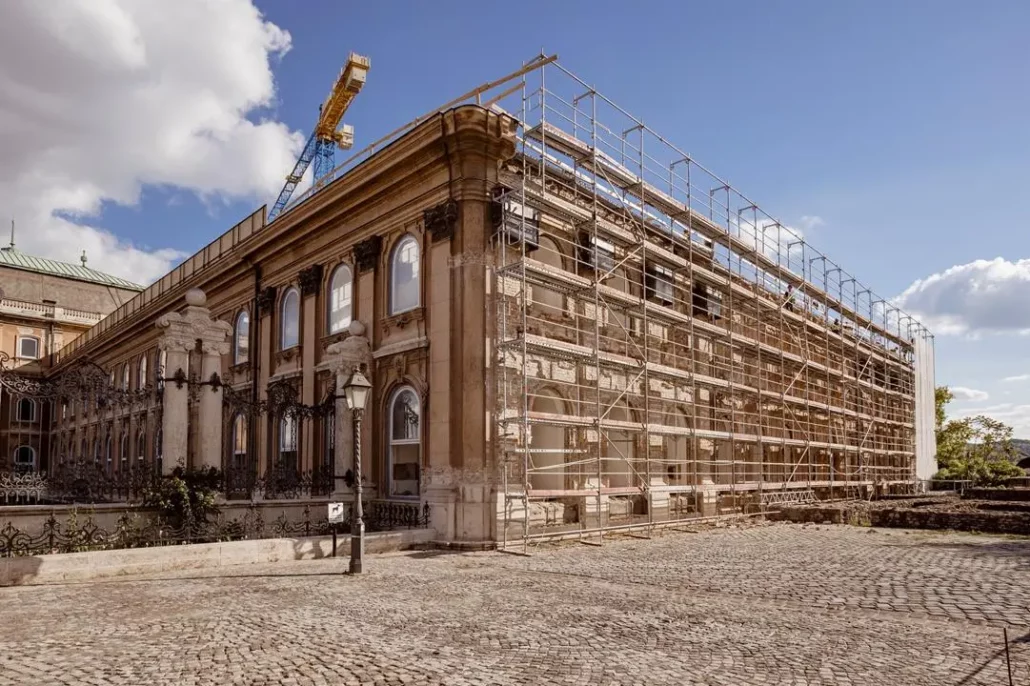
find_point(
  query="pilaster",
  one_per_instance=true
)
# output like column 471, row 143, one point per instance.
column 182, row 332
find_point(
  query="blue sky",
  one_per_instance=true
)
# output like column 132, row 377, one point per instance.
column 902, row 125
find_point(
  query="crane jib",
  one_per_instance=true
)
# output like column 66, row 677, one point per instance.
column 325, row 138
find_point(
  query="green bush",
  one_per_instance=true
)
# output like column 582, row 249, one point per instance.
column 981, row 472
column 185, row 498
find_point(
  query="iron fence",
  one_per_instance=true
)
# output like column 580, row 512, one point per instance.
column 143, row 530
column 88, row 482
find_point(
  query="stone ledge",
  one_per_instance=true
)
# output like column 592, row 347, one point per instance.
column 90, row 566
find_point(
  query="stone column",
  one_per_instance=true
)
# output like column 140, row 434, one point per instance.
column 182, row 331
column 211, row 419
column 343, row 357
column 175, row 413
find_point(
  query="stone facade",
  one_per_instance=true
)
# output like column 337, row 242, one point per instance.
column 383, row 270
column 39, row 314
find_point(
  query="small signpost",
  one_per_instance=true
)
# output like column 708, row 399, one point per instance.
column 335, row 516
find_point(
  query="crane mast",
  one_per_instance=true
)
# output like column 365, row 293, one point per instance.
column 327, row 134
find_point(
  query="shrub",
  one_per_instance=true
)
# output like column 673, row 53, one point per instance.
column 186, row 497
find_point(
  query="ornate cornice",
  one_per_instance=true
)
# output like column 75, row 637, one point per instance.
column 441, row 220
column 366, row 253
column 310, row 279
column 266, row 300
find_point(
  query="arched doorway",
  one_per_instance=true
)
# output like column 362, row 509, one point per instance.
column 547, row 445
column 548, row 303
column 618, row 450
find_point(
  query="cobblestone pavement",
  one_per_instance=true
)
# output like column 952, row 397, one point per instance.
column 774, row 604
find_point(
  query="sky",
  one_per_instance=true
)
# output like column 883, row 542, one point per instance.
column 893, row 132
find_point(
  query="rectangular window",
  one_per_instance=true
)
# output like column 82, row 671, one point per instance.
column 28, row 348
column 516, row 221
column 605, row 253
column 659, row 282
column 707, row 301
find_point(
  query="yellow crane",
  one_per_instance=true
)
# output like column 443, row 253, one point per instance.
column 327, row 134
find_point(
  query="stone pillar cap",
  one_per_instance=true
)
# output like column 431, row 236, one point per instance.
column 196, row 297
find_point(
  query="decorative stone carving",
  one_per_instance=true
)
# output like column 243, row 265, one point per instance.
column 366, row 253
column 441, row 220
column 182, row 331
column 287, row 355
column 343, row 356
column 310, row 279
column 400, row 321
column 266, row 300
column 353, row 350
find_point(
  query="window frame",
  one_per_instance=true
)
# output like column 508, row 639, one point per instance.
column 17, row 411
column 394, row 308
column 289, row 293
column 18, row 466
column 236, row 347
column 330, row 291
column 285, row 422
column 141, row 371
column 392, row 442
column 239, row 425
column 34, row 339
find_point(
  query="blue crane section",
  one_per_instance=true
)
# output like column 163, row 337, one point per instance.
column 327, row 136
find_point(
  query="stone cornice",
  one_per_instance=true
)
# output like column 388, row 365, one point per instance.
column 468, row 130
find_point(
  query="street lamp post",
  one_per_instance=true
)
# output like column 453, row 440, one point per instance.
column 356, row 394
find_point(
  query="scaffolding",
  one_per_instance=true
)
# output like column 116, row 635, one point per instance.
column 667, row 351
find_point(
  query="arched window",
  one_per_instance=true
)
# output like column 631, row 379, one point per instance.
column 109, row 451
column 241, row 341
column 141, row 375
column 404, row 276
column 28, row 348
column 26, row 411
column 123, row 451
column 159, row 371
column 239, row 441
column 24, row 458
column 141, row 445
column 405, row 434
column 340, row 299
column 288, row 442
column 125, row 376
column 289, row 312
column 330, row 442
column 159, row 450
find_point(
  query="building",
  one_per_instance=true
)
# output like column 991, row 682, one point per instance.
column 567, row 328
column 44, row 304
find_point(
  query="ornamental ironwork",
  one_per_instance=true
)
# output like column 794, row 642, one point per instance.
column 143, row 530
column 441, row 220
column 366, row 253
column 83, row 381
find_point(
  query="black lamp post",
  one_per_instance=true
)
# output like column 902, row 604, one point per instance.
column 356, row 394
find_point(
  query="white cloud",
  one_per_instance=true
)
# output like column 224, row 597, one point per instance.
column 963, row 393
column 101, row 97
column 1018, row 377
column 811, row 221
column 985, row 296
column 1016, row 416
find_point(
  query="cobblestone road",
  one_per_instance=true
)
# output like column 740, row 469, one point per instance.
column 775, row 604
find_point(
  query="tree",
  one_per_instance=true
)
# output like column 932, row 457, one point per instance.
column 977, row 449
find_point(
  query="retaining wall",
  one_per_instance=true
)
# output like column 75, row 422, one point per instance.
column 77, row 567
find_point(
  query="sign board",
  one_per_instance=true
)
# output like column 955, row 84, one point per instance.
column 336, row 513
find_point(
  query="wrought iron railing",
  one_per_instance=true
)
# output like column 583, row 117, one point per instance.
column 139, row 530
column 88, row 482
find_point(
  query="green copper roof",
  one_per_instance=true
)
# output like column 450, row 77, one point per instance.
column 9, row 257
